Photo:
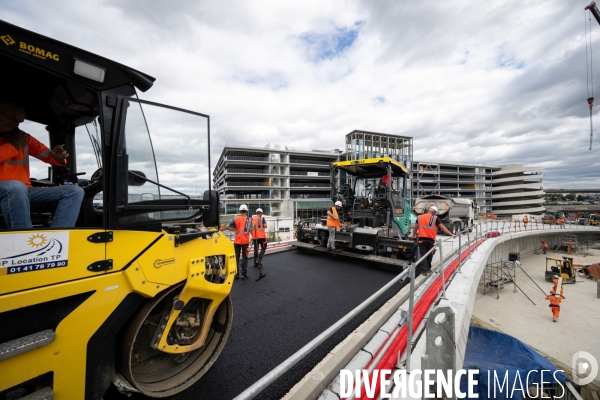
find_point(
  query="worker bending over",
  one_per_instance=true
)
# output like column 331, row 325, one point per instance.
column 259, row 236
column 333, row 223
column 426, row 229
column 241, row 225
column 555, row 298
column 16, row 191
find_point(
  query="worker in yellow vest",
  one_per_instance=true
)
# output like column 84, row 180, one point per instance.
column 241, row 225
column 333, row 223
column 426, row 230
column 259, row 236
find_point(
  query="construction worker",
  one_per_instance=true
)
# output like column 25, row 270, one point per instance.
column 570, row 246
column 525, row 221
column 16, row 191
column 385, row 182
column 241, row 225
column 544, row 247
column 426, row 230
column 333, row 223
column 259, row 236
column 555, row 298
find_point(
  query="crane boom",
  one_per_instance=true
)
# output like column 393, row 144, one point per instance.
column 594, row 10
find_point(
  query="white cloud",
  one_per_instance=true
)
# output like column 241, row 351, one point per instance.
column 488, row 82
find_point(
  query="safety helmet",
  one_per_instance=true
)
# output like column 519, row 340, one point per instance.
column 434, row 208
column 555, row 276
column 338, row 203
column 518, row 263
column 243, row 207
column 259, row 210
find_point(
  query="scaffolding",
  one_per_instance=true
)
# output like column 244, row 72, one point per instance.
column 499, row 274
column 428, row 175
column 363, row 144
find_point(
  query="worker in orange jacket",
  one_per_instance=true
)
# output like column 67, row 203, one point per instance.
column 426, row 230
column 259, row 236
column 333, row 224
column 525, row 221
column 16, row 191
column 569, row 246
column 544, row 247
column 242, row 226
column 555, row 298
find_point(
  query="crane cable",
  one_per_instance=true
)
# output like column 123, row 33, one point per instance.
column 589, row 72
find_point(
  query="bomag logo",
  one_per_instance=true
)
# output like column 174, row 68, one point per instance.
column 7, row 40
column 161, row 263
column 37, row 52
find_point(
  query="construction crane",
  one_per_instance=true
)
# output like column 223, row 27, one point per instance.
column 594, row 10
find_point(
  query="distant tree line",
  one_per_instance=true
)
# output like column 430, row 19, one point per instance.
column 570, row 196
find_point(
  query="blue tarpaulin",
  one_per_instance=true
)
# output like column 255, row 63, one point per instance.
column 507, row 366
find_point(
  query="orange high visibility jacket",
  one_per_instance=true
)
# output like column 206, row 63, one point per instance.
column 554, row 300
column 427, row 226
column 259, row 225
column 242, row 226
column 14, row 163
column 331, row 219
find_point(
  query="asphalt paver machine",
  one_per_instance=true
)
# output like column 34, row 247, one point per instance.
column 375, row 214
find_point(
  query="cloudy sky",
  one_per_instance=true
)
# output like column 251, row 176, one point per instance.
column 495, row 82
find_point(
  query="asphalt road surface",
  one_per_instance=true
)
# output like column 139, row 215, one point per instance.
column 302, row 295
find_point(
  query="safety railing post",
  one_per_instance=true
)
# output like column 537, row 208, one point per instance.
column 459, row 251
column 468, row 242
column 411, row 303
column 442, row 269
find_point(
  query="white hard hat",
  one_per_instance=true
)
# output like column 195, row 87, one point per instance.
column 434, row 208
column 243, row 207
column 338, row 203
column 259, row 210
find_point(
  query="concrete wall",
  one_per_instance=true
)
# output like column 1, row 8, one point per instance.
column 526, row 244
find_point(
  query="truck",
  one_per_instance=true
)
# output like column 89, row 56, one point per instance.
column 375, row 216
column 456, row 214
column 136, row 294
column 553, row 217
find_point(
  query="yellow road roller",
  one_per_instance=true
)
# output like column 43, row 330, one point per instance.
column 136, row 293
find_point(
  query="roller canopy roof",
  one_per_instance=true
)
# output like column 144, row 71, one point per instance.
column 38, row 72
column 371, row 167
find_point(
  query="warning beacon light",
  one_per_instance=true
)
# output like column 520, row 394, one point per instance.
column 89, row 71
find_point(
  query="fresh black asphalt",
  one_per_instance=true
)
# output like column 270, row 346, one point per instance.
column 302, row 295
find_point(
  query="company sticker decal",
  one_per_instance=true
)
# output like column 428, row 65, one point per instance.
column 28, row 252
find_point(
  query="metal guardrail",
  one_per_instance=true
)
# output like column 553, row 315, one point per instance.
column 310, row 185
column 305, row 173
column 246, row 184
column 246, row 158
column 252, row 196
column 312, row 162
column 245, row 171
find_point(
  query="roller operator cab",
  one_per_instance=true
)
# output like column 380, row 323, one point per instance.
column 135, row 294
column 375, row 215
